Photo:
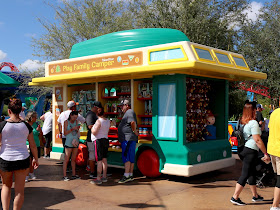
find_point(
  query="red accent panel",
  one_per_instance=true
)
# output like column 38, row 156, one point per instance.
column 254, row 88
column 148, row 163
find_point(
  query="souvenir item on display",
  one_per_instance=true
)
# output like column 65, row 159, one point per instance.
column 150, row 108
column 139, row 91
column 88, row 105
column 211, row 135
column 82, row 97
column 107, row 107
column 144, row 89
column 106, row 92
column 197, row 104
column 93, row 95
column 150, row 121
column 146, row 108
column 113, row 123
column 140, row 131
column 83, row 110
column 114, row 107
column 89, row 95
column 113, row 92
column 75, row 96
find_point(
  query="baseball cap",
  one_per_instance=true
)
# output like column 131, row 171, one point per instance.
column 71, row 104
column 125, row 102
column 260, row 106
column 97, row 104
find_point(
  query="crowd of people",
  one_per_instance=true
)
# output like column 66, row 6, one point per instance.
column 97, row 140
column 263, row 135
column 17, row 161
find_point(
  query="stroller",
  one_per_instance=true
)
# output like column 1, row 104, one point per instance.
column 265, row 173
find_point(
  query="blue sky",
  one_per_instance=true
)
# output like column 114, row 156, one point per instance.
column 18, row 24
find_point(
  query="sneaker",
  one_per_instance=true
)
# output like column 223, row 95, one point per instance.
column 92, row 175
column 32, row 176
column 65, row 178
column 27, row 179
column 104, row 179
column 274, row 208
column 237, row 201
column 131, row 178
column 96, row 181
column 259, row 198
column 124, row 179
column 75, row 177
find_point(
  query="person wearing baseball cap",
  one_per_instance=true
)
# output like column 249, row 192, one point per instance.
column 71, row 106
column 91, row 118
column 128, row 136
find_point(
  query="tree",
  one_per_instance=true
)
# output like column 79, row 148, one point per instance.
column 78, row 21
column 207, row 22
column 260, row 43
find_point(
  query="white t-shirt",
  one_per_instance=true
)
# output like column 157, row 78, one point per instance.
column 14, row 135
column 103, row 131
column 64, row 116
column 47, row 126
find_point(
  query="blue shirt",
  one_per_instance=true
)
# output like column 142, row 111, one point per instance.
column 251, row 128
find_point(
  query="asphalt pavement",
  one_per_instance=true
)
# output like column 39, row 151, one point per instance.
column 211, row 190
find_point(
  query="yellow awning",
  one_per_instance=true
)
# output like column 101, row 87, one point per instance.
column 196, row 68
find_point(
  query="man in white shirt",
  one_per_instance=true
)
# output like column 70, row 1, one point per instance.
column 47, row 132
column 71, row 105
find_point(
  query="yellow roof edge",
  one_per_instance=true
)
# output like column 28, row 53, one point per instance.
column 230, row 73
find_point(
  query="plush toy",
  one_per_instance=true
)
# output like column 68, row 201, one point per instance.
column 210, row 127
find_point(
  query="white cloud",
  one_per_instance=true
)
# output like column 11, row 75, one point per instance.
column 253, row 11
column 31, row 65
column 2, row 55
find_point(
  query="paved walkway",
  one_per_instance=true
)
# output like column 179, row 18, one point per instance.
column 212, row 190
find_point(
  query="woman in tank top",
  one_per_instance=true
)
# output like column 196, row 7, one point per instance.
column 71, row 131
column 99, row 134
column 14, row 156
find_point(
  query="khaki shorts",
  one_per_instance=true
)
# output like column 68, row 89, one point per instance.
column 91, row 150
column 275, row 164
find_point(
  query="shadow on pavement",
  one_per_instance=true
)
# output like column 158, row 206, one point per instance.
column 140, row 205
column 42, row 197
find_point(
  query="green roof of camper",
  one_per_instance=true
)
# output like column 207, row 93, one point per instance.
column 125, row 40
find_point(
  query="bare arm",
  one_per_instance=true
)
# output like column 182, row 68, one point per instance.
column 260, row 144
column 0, row 139
column 33, row 148
column 42, row 117
column 96, row 127
column 59, row 127
column 134, row 128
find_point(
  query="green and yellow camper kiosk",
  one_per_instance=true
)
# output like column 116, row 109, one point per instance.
column 173, row 85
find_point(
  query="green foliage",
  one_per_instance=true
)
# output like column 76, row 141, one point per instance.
column 237, row 98
column 260, row 44
column 5, row 110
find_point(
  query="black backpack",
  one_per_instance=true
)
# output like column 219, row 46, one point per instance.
column 238, row 133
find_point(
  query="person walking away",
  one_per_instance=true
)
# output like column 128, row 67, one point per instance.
column 31, row 118
column 22, row 113
column 128, row 136
column 14, row 156
column 47, row 132
column 71, row 130
column 273, row 148
column 99, row 135
column 91, row 118
column 259, row 116
column 71, row 105
column 249, row 155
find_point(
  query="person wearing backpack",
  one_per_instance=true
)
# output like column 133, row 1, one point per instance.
column 249, row 155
